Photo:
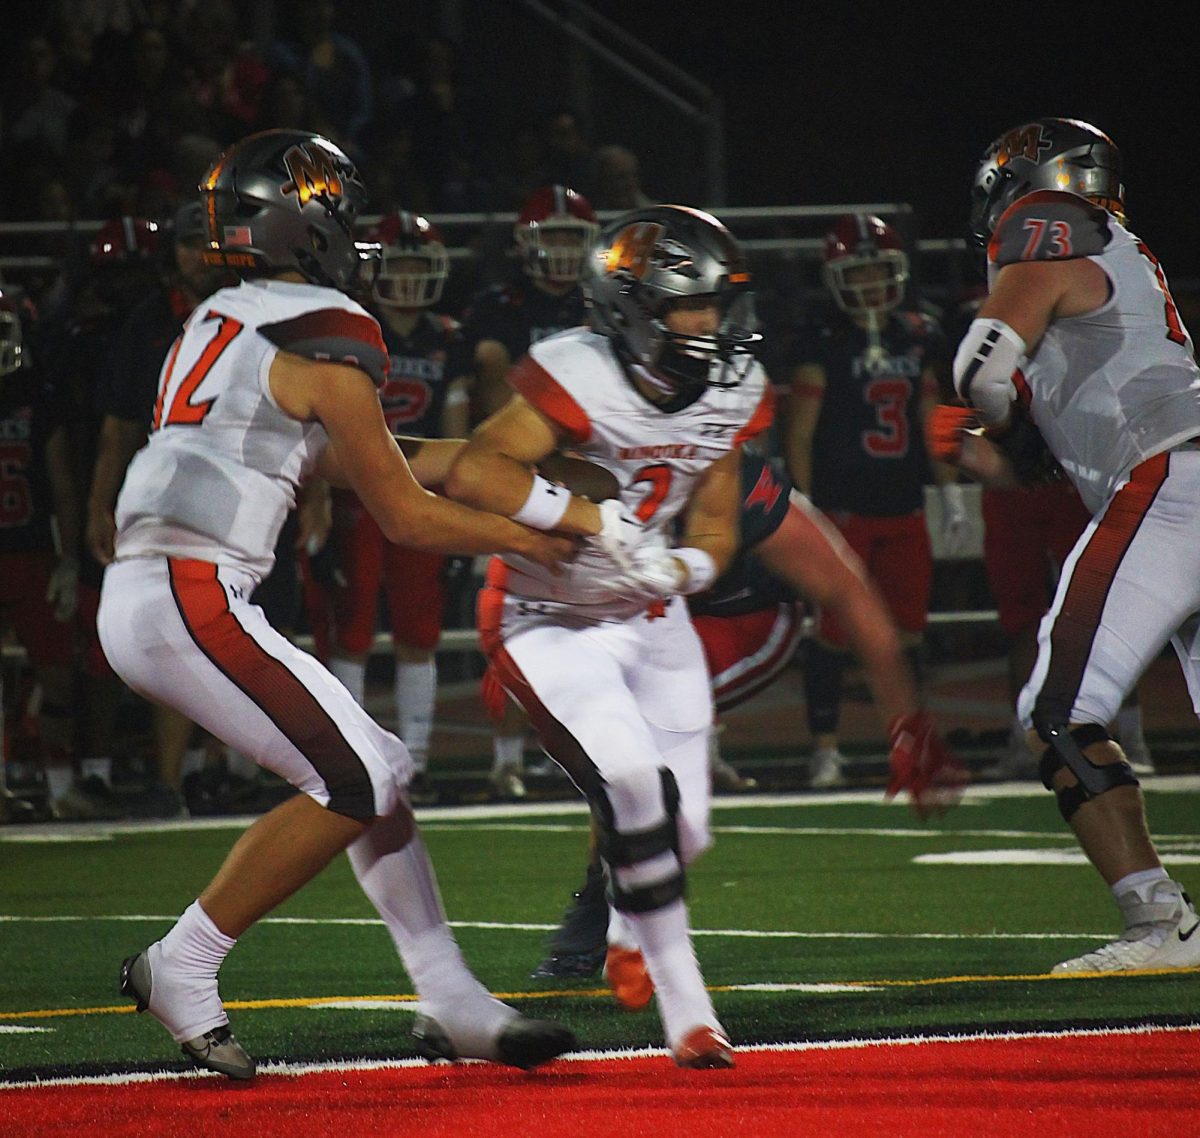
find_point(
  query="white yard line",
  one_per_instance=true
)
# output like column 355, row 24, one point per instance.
column 529, row 926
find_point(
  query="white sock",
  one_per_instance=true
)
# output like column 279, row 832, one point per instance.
column 400, row 883
column 183, row 973
column 1142, row 882
column 193, row 761
column 620, row 932
column 415, row 693
column 353, row 675
column 58, row 781
column 97, row 766
column 508, row 752
column 683, row 1000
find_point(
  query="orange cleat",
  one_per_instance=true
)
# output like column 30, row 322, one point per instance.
column 625, row 971
column 704, row 1049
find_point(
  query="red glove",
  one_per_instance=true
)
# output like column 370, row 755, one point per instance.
column 944, row 430
column 923, row 765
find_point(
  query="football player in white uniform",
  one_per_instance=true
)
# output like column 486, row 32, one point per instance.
column 660, row 390
column 1078, row 355
column 269, row 382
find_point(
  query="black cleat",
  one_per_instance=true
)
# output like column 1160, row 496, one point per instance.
column 524, row 1043
column 571, row 965
column 215, row 1050
column 580, row 942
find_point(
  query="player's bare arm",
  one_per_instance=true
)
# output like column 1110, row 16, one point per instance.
column 491, row 362
column 430, row 459
column 494, row 471
column 809, row 554
column 804, row 409
column 63, row 492
column 343, row 400
column 1025, row 298
column 119, row 441
column 711, row 523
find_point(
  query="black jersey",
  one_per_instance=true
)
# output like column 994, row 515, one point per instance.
column 30, row 412
column 421, row 367
column 868, row 453
column 128, row 384
column 518, row 314
column 746, row 586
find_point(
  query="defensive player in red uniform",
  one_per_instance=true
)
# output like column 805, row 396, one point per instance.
column 40, row 516
column 863, row 384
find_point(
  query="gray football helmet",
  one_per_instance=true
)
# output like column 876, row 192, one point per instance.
column 286, row 199
column 648, row 258
column 1046, row 154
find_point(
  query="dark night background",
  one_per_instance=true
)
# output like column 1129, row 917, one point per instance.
column 829, row 103
column 888, row 102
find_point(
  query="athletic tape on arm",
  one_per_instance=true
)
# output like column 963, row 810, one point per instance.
column 983, row 367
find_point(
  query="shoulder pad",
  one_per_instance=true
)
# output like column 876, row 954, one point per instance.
column 333, row 335
column 1049, row 225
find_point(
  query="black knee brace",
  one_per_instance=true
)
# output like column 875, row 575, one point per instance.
column 1066, row 750
column 623, row 848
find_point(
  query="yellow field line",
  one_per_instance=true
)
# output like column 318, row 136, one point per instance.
column 594, row 993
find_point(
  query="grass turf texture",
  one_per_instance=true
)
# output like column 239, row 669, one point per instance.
column 963, row 947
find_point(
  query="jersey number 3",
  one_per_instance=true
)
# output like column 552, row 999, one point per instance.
column 183, row 412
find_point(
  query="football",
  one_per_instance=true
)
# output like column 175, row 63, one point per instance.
column 580, row 476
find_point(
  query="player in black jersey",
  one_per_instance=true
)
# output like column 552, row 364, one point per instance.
column 863, row 383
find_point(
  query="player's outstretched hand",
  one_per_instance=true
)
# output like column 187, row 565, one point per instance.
column 924, row 765
column 944, row 431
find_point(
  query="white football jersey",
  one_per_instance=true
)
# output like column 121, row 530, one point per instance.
column 223, row 462
column 1112, row 387
column 657, row 456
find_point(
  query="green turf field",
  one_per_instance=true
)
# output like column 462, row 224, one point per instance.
column 814, row 917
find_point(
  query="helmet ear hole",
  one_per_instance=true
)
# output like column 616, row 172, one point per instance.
column 318, row 240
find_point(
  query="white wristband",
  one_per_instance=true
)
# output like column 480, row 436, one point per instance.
column 701, row 568
column 545, row 506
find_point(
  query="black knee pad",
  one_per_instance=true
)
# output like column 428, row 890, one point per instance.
column 624, row 848
column 1066, row 750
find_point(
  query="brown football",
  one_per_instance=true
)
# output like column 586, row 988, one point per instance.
column 580, row 476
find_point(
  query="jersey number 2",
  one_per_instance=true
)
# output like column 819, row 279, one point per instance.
column 183, row 412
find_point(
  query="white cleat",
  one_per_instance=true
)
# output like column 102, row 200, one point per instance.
column 1167, row 937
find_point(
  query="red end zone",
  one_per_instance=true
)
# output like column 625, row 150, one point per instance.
column 1138, row 1082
